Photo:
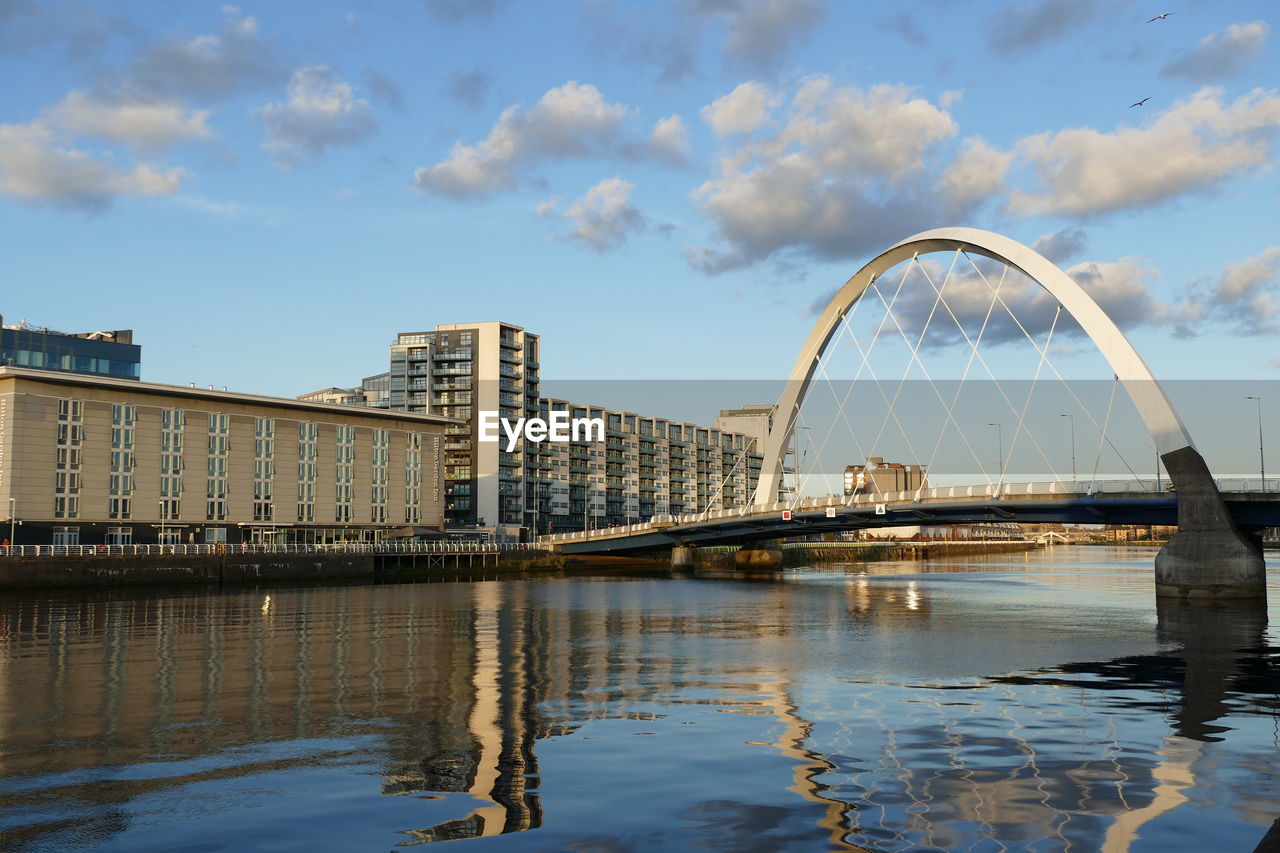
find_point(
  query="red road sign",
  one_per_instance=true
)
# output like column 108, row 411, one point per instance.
column 786, row 515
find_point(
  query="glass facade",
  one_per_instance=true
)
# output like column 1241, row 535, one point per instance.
column 97, row 354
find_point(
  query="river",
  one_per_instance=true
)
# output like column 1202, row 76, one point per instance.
column 1037, row 702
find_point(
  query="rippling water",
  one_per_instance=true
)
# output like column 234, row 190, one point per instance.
column 1040, row 702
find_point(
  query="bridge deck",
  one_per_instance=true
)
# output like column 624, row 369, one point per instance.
column 1112, row 503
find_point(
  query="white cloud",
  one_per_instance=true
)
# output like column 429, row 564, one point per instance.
column 670, row 141
column 844, row 173
column 143, row 125
column 1061, row 246
column 36, row 168
column 1219, row 55
column 1022, row 26
column 322, row 112
column 1194, row 145
column 670, row 35
column 206, row 66
column 1122, row 288
column 976, row 174
column 572, row 120
column 604, row 217
column 1247, row 294
column 759, row 32
column 741, row 111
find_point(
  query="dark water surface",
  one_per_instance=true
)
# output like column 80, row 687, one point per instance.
column 1040, row 702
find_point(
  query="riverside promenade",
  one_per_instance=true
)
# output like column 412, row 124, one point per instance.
column 44, row 566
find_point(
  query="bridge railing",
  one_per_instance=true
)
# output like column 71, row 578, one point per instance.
column 266, row 549
column 983, row 491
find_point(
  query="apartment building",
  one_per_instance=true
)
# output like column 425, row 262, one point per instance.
column 645, row 466
column 97, row 460
column 458, row 370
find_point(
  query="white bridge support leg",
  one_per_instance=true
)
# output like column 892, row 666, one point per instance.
column 683, row 557
column 1208, row 557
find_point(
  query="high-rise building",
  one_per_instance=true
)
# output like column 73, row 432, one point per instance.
column 111, row 354
column 458, row 370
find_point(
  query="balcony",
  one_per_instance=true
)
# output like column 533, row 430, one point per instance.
column 449, row 385
column 452, row 355
column 510, row 356
column 451, row 371
column 509, row 372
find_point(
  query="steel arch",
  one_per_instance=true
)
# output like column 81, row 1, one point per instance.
column 1162, row 422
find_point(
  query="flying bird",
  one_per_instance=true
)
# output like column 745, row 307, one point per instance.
column 1140, row 103
column 1161, row 17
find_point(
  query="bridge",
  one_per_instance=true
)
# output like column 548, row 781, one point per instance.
column 1011, row 289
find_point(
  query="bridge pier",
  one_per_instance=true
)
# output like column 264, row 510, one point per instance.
column 683, row 557
column 1208, row 557
column 757, row 558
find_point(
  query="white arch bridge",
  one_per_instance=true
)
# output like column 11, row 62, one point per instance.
column 1214, row 553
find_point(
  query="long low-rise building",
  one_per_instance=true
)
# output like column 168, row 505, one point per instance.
column 94, row 460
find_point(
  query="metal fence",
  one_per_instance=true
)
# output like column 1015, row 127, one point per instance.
column 337, row 548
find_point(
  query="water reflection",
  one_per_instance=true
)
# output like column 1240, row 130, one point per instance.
column 1025, row 709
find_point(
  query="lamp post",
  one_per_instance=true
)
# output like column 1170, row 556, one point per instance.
column 1000, row 448
column 1262, row 462
column 1072, row 416
column 162, row 521
column 13, row 518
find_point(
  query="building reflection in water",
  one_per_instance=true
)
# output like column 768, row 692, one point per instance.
column 451, row 686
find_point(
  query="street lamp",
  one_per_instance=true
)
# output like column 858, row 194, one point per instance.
column 13, row 518
column 1000, row 447
column 162, row 521
column 1262, row 463
column 1073, row 442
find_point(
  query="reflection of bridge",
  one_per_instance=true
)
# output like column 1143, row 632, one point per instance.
column 1214, row 552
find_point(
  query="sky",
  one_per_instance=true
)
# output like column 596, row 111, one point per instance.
column 268, row 192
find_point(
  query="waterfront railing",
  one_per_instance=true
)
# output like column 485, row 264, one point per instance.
column 264, row 548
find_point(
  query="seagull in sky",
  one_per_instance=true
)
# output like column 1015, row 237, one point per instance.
column 1140, row 103
column 1161, row 17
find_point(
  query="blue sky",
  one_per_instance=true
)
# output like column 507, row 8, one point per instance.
column 268, row 192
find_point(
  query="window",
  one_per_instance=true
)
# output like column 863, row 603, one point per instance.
column 264, row 448
column 219, row 423
column 119, row 536
column 170, row 442
column 264, row 427
column 70, row 434
column 68, row 459
column 216, row 510
column 123, row 415
column 170, row 486
column 121, row 484
column 170, row 509
column 261, row 511
column 120, row 508
column 71, row 410
column 66, row 507
column 172, row 419
column 306, row 512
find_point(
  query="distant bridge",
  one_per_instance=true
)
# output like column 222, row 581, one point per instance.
column 1214, row 553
